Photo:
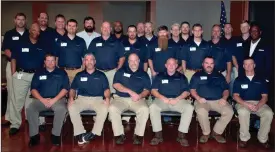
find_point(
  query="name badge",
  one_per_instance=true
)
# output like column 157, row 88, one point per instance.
column 244, row 86
column 43, row 77
column 15, row 38
column 19, row 75
column 164, row 81
column 98, row 44
column 127, row 48
column 63, row 44
column 83, row 79
column 203, row 77
column 157, row 49
column 25, row 49
column 239, row 44
column 261, row 50
column 192, row 48
column 127, row 75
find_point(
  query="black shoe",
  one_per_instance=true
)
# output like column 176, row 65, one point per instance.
column 34, row 140
column 42, row 127
column 13, row 131
column 120, row 139
column 55, row 140
column 85, row 137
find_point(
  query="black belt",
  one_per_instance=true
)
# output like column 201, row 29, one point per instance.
column 27, row 71
column 67, row 68
column 106, row 70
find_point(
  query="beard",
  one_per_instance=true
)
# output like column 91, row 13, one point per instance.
column 89, row 29
column 163, row 42
column 117, row 32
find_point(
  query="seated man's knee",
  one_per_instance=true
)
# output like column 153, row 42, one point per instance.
column 243, row 112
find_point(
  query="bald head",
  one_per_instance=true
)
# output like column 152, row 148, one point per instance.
column 106, row 29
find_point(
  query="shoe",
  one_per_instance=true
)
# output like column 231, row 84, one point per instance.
column 242, row 144
column 13, row 131
column 80, row 140
column 219, row 138
column 55, row 140
column 137, row 140
column 34, row 140
column 265, row 145
column 42, row 127
column 204, row 138
column 182, row 139
column 120, row 139
column 157, row 139
column 85, row 137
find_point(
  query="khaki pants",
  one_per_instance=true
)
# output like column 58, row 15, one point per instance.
column 10, row 91
column 266, row 115
column 72, row 73
column 21, row 89
column 121, row 104
column 202, row 110
column 110, row 76
column 183, row 106
column 189, row 74
column 88, row 103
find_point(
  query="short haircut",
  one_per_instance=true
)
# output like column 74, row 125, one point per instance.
column 20, row 14
column 208, row 57
column 184, row 22
column 131, row 26
column 89, row 18
column 228, row 23
column 60, row 16
column 245, row 21
column 162, row 27
column 216, row 25
column 49, row 55
column 248, row 58
column 175, row 24
column 44, row 13
column 72, row 20
column 87, row 54
column 255, row 24
column 197, row 25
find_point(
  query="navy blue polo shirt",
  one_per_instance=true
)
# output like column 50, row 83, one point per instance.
column 250, row 90
column 12, row 39
column 139, row 48
column 107, row 53
column 209, row 86
column 92, row 85
column 135, row 81
column 47, row 37
column 159, row 57
column 70, row 52
column 173, row 43
column 220, row 54
column 170, row 86
column 57, row 36
column 121, row 38
column 194, row 54
column 148, row 42
column 185, row 42
column 49, row 84
column 29, row 56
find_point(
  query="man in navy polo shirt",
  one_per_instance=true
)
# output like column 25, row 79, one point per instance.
column 193, row 53
column 210, row 90
column 132, row 86
column 134, row 45
column 149, row 36
column 70, row 50
column 251, row 93
column 175, row 39
column 49, row 87
column 118, row 31
column 89, row 91
column 185, row 37
column 160, row 51
column 222, row 57
column 170, row 90
column 11, row 39
column 60, row 31
column 27, row 57
column 140, row 29
column 109, row 53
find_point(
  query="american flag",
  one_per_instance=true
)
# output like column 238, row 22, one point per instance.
column 223, row 19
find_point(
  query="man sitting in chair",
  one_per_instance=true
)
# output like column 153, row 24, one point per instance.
column 49, row 87
column 132, row 85
column 210, row 90
column 250, row 92
column 170, row 90
column 93, row 93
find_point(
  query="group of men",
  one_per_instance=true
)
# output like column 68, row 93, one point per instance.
column 66, row 71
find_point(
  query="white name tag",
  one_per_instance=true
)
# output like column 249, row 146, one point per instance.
column 83, row 79
column 19, row 75
column 164, row 81
column 157, row 49
column 127, row 48
column 43, row 77
column 192, row 48
column 98, row 44
column 63, row 44
column 203, row 77
column 261, row 50
column 239, row 44
column 127, row 75
column 244, row 86
column 15, row 38
column 25, row 49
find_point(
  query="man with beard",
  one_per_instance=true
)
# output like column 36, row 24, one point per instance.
column 109, row 53
column 12, row 39
column 185, row 37
column 210, row 90
column 193, row 53
column 118, row 31
column 70, row 50
column 89, row 33
column 149, row 36
column 27, row 57
column 140, row 29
